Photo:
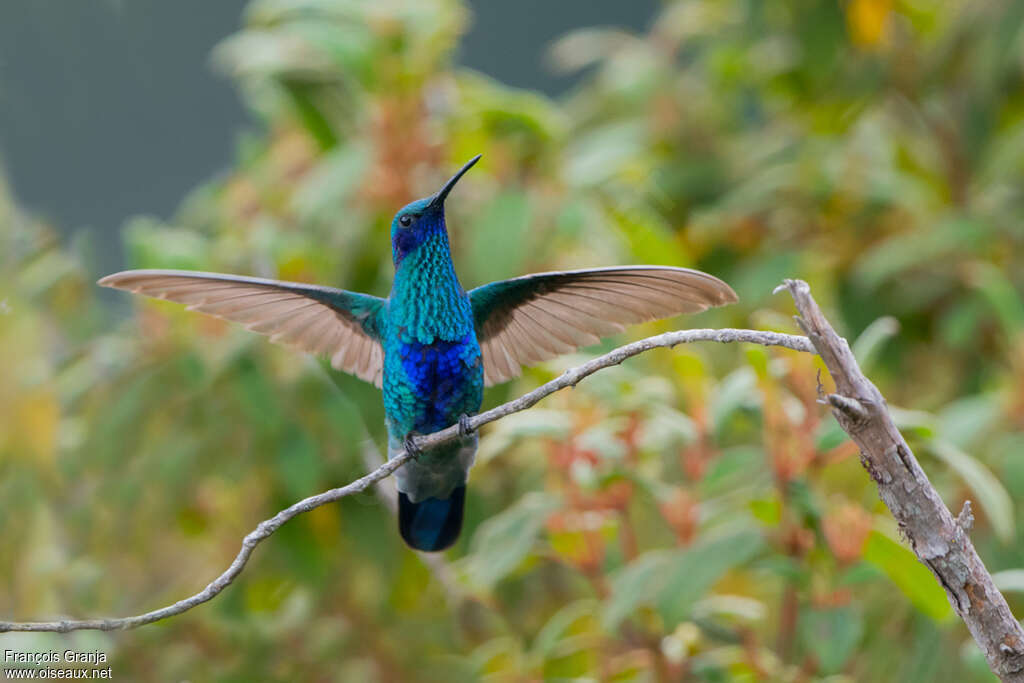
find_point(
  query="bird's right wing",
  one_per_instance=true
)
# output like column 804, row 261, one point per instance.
column 532, row 318
column 346, row 326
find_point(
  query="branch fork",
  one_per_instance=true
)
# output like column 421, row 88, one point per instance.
column 938, row 539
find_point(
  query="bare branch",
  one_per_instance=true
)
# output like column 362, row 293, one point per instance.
column 938, row 539
column 266, row 528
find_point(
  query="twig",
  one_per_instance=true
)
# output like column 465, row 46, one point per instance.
column 268, row 527
column 938, row 539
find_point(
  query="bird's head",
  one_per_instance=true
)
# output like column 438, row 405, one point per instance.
column 421, row 220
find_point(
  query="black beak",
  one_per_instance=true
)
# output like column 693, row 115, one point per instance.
column 443, row 193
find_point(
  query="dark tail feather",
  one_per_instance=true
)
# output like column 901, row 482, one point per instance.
column 433, row 523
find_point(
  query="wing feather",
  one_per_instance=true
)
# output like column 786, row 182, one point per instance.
column 536, row 317
column 322, row 320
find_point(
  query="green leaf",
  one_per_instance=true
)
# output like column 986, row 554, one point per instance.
column 831, row 635
column 583, row 47
column 913, row 578
column 962, row 422
column 871, row 341
column 332, row 182
column 1012, row 470
column 497, row 238
column 672, row 581
column 667, row 427
column 737, row 607
column 734, row 468
column 959, row 325
column 298, row 464
column 539, row 422
column 695, row 570
column 736, row 391
column 636, row 584
column 758, row 359
column 955, row 236
column 1001, row 295
column 153, row 245
column 501, row 655
column 319, row 125
column 650, row 238
column 829, row 435
column 600, row 154
column 754, row 284
column 503, row 542
column 768, row 511
column 1009, row 580
column 991, row 494
column 567, row 645
column 917, row 421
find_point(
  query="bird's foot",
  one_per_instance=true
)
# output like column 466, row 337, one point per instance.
column 409, row 444
column 464, row 427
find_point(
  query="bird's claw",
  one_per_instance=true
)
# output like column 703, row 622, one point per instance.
column 465, row 429
column 409, row 444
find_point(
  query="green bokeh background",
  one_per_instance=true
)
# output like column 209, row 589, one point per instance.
column 691, row 515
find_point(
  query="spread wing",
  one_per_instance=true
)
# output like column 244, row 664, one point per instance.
column 529, row 319
column 343, row 325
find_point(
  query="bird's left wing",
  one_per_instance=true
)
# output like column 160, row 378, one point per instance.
column 343, row 325
column 529, row 319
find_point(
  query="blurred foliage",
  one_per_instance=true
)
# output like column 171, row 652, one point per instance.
column 694, row 514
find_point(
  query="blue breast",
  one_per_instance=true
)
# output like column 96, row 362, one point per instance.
column 432, row 384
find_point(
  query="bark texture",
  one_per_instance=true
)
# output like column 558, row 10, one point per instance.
column 938, row 539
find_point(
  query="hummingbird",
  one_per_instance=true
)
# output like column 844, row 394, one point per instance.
column 431, row 346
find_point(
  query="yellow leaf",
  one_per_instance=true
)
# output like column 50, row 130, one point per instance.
column 868, row 20
column 36, row 416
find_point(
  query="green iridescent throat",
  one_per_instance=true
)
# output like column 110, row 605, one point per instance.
column 427, row 302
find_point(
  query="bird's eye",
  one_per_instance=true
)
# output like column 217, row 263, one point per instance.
column 405, row 221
